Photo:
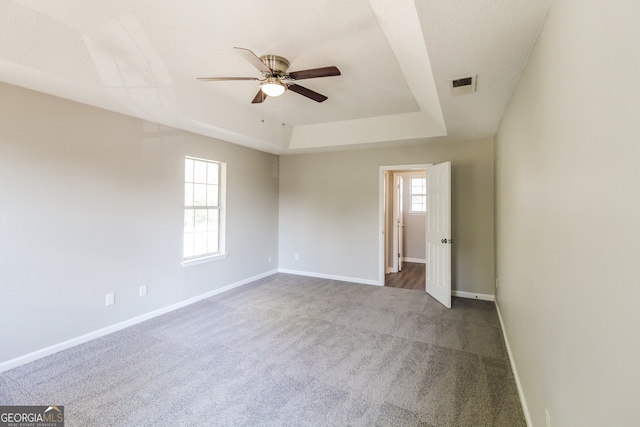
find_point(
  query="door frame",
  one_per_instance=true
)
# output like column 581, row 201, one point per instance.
column 397, row 224
column 381, row 211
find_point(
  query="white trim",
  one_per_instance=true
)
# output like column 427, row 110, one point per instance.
column 331, row 277
column 222, row 225
column 196, row 261
column 47, row 351
column 471, row 295
column 416, row 260
column 523, row 400
column 396, row 220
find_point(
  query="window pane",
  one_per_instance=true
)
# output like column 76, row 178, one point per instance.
column 188, row 221
column 418, row 185
column 188, row 246
column 188, row 194
column 200, row 243
column 418, row 203
column 212, row 195
column 212, row 173
column 202, row 210
column 212, row 219
column 201, row 220
column 188, row 170
column 199, row 171
column 199, row 194
column 212, row 241
column 418, row 194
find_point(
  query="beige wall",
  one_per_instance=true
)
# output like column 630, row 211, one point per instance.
column 568, row 217
column 329, row 210
column 91, row 203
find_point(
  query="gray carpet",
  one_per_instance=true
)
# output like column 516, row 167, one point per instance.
column 287, row 351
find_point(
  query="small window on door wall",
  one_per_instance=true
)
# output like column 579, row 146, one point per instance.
column 418, row 195
column 204, row 215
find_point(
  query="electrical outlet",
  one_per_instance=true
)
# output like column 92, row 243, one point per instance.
column 110, row 299
column 296, row 256
column 143, row 290
column 547, row 417
column 269, row 259
column 496, row 283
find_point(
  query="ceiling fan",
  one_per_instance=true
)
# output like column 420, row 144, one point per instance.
column 275, row 78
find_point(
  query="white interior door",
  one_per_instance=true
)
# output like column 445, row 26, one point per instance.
column 400, row 222
column 397, row 224
column 439, row 232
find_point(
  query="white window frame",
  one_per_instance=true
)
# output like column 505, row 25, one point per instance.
column 222, row 214
column 411, row 194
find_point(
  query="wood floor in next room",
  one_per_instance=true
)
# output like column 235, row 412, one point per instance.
column 412, row 276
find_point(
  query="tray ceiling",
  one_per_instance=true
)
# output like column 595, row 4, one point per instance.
column 142, row 59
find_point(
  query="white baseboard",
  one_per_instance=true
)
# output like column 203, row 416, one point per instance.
column 523, row 401
column 331, row 277
column 38, row 354
column 47, row 351
column 471, row 295
column 416, row 260
column 460, row 294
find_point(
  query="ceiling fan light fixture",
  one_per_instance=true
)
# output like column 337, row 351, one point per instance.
column 273, row 87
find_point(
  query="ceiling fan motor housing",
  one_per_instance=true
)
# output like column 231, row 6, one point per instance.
column 275, row 78
column 277, row 64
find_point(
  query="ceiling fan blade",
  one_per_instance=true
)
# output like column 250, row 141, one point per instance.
column 222, row 79
column 259, row 98
column 315, row 72
column 307, row 92
column 255, row 61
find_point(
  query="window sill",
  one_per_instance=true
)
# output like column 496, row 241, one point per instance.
column 205, row 259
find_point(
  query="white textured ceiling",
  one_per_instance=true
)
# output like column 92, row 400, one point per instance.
column 142, row 58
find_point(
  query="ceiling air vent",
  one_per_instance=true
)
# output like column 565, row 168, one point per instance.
column 463, row 85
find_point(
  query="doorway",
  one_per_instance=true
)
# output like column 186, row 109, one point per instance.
column 403, row 229
column 438, row 227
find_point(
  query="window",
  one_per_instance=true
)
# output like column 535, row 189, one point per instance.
column 418, row 195
column 204, row 215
